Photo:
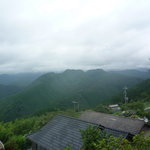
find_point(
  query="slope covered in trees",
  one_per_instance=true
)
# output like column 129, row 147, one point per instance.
column 13, row 83
column 135, row 73
column 6, row 90
column 139, row 92
column 57, row 91
column 20, row 79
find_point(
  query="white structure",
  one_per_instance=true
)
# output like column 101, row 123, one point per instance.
column 144, row 119
column 114, row 107
column 76, row 105
column 147, row 109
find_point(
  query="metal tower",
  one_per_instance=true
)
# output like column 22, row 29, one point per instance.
column 125, row 95
column 76, row 105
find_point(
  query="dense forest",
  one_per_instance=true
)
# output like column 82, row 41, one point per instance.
column 54, row 91
column 139, row 92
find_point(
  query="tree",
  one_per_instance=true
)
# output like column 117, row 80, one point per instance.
column 91, row 136
column 95, row 139
column 16, row 143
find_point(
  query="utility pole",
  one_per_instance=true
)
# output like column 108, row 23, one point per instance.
column 76, row 105
column 125, row 95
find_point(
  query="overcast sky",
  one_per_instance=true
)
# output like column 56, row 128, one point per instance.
column 53, row 35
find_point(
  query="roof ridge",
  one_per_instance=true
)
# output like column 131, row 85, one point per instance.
column 77, row 119
column 117, row 130
column 117, row 116
column 97, row 124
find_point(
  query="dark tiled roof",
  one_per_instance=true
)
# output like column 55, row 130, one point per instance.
column 63, row 131
column 128, row 125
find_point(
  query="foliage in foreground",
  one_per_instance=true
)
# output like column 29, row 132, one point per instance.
column 13, row 134
column 95, row 139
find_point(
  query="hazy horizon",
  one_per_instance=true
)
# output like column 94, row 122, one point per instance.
column 61, row 71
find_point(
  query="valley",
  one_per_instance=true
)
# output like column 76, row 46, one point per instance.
column 53, row 91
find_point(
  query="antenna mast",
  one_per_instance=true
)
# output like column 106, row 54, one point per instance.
column 125, row 95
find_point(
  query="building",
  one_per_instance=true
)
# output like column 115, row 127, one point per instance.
column 114, row 107
column 1, row 146
column 63, row 131
column 129, row 125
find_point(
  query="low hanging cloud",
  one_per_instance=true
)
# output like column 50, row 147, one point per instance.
column 53, row 35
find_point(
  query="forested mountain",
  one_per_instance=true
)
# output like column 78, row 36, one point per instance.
column 6, row 90
column 135, row 73
column 20, row 79
column 58, row 90
column 10, row 84
column 141, row 91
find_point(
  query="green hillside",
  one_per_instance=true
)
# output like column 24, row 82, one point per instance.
column 135, row 73
column 20, row 79
column 57, row 91
column 6, row 90
column 139, row 92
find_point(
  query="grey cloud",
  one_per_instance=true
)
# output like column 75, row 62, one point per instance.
column 51, row 35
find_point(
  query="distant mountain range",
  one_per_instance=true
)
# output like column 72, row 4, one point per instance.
column 145, row 74
column 57, row 91
column 20, row 79
column 13, row 83
column 6, row 90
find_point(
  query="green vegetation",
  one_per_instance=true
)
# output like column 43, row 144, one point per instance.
column 19, row 79
column 139, row 99
column 57, row 91
column 94, row 139
column 13, row 134
column 91, row 135
column 6, row 90
column 135, row 73
column 68, row 148
column 103, row 109
column 140, row 92
column 135, row 109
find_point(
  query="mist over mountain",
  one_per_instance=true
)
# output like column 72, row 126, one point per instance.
column 18, row 79
column 139, row 92
column 6, row 90
column 141, row 73
column 57, row 91
column 13, row 83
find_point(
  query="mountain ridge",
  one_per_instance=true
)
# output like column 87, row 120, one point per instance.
column 58, row 90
